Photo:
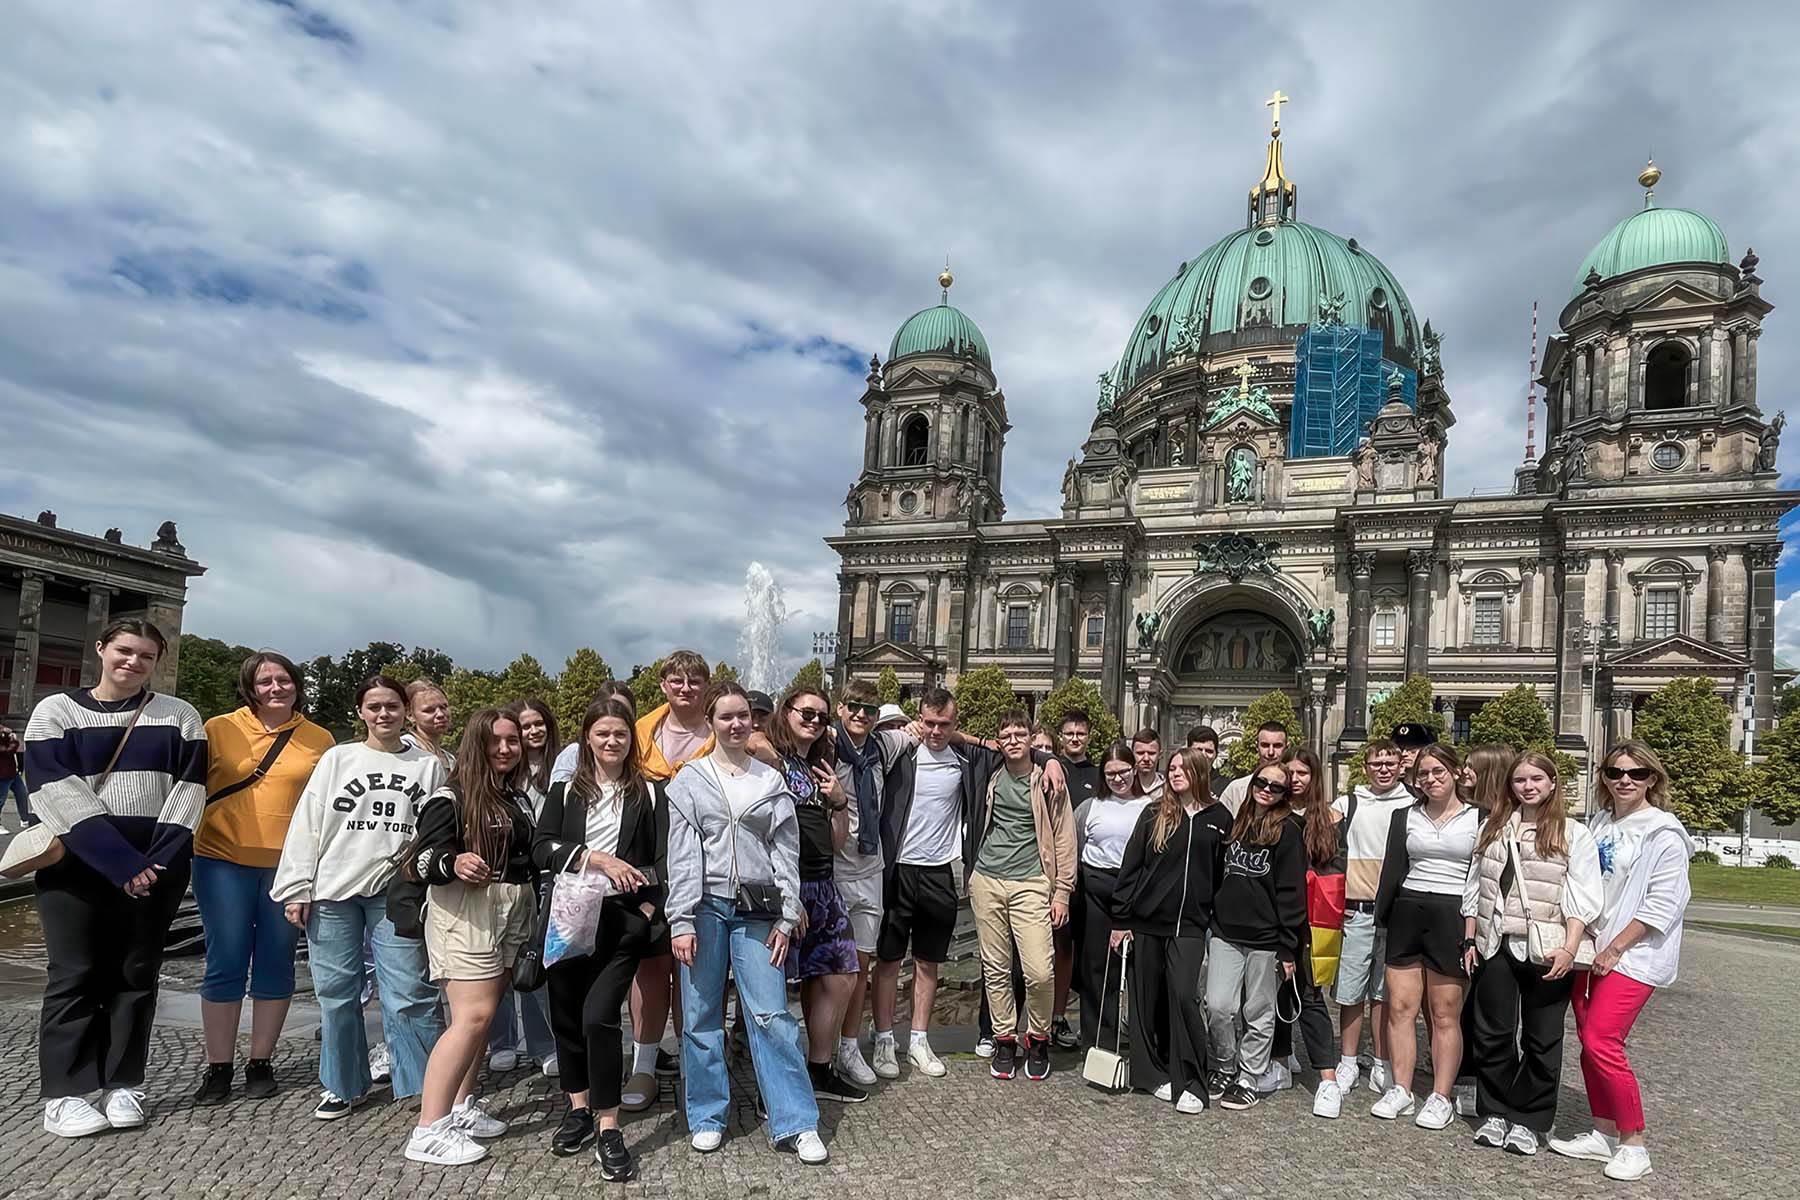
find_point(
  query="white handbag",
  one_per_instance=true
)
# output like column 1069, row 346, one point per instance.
column 1107, row 1069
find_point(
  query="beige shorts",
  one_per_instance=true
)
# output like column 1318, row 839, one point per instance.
column 476, row 932
column 862, row 900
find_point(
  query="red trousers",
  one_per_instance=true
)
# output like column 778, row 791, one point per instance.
column 1606, row 1007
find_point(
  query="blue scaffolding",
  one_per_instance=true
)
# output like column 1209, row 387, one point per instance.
column 1340, row 383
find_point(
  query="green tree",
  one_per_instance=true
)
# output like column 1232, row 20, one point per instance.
column 582, row 674
column 981, row 696
column 646, row 686
column 1775, row 782
column 1688, row 724
column 469, row 692
column 332, row 682
column 1518, row 718
column 209, row 674
column 1076, row 692
column 887, row 686
column 1270, row 706
column 811, row 675
column 523, row 677
column 405, row 670
column 724, row 672
column 1411, row 701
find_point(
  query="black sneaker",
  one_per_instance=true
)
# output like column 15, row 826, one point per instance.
column 1005, row 1063
column 666, row 1063
column 615, row 1160
column 576, row 1131
column 1063, row 1037
column 1237, row 1097
column 259, row 1079
column 215, row 1084
column 332, row 1106
column 1217, row 1084
column 827, row 1084
column 1037, row 1058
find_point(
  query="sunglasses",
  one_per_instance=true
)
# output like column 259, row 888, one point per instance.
column 862, row 710
column 1640, row 774
column 810, row 716
column 1268, row 785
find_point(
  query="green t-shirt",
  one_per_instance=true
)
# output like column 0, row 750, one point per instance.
column 1010, row 849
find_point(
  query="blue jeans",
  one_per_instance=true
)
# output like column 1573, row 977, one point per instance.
column 534, row 1007
column 247, row 934
column 723, row 938
column 21, row 797
column 410, row 1017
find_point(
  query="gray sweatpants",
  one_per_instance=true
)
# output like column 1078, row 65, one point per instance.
column 1247, row 979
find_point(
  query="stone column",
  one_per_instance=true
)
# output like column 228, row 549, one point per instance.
column 1750, row 368
column 1759, row 560
column 1705, row 394
column 1111, row 675
column 1740, row 357
column 1615, row 565
column 1356, row 647
column 1528, row 603
column 25, row 644
column 1715, row 594
column 1064, row 663
column 1634, row 375
column 1574, row 569
column 846, row 628
column 955, row 655
column 1418, row 610
column 1550, row 627
column 871, row 602
column 166, row 616
column 1579, row 402
column 1453, row 600
column 1605, row 388
column 1618, row 718
column 929, row 642
column 99, row 613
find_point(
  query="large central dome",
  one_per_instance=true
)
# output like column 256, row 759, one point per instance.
column 1280, row 274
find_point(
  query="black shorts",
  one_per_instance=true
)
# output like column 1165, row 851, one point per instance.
column 1426, row 928
column 919, row 909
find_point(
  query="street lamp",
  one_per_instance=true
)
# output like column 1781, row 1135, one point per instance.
column 1596, row 635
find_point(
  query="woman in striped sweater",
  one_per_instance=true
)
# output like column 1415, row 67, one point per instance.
column 118, row 772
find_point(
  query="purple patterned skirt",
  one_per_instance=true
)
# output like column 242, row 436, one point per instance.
column 829, row 947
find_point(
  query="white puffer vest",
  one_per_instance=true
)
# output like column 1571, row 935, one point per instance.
column 1543, row 889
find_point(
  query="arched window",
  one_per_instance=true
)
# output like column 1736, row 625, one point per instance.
column 1381, row 317
column 1666, row 376
column 915, row 441
column 987, row 450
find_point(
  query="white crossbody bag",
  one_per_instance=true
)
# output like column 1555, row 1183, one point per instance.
column 1544, row 938
column 1107, row 1069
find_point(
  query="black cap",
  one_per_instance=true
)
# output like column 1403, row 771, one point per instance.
column 760, row 702
column 1410, row 735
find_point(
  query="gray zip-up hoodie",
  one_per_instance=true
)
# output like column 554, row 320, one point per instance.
column 700, row 842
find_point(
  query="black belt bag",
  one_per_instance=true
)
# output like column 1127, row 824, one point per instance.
column 758, row 901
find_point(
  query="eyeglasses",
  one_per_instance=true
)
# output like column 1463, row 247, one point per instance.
column 860, row 709
column 1262, row 784
column 1013, row 735
column 1434, row 773
column 1120, row 775
column 809, row 716
column 1384, row 764
column 1640, row 774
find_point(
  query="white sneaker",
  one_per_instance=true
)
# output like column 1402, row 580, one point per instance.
column 1190, row 1103
column 1348, row 1072
column 550, row 1067
column 1464, row 1095
column 1166, row 1092
column 1292, row 1063
column 1381, row 1078
column 1520, row 1140
column 124, row 1108
column 1628, row 1163
column 1395, row 1102
column 887, row 1064
column 381, row 1068
column 503, row 1060
column 73, row 1117
column 851, row 1066
column 1437, row 1112
column 707, row 1140
column 923, row 1060
column 810, row 1148
column 475, row 1121
column 1328, row 1100
column 1276, row 1079
column 442, row 1144
column 1593, row 1146
column 984, row 1048
column 1492, row 1133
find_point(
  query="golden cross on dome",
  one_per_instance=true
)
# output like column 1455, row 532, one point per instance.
column 1275, row 102
column 1244, row 372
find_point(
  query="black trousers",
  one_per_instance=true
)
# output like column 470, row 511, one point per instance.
column 105, row 950
column 1316, row 1030
column 1094, row 954
column 586, row 994
column 1168, row 1014
column 1518, row 1025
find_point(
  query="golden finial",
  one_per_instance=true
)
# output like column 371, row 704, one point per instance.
column 1648, row 179
column 1275, row 102
column 945, row 279
column 1272, row 200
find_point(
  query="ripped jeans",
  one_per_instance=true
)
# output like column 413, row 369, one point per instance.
column 721, row 937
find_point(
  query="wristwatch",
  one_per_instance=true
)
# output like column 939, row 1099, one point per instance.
column 1468, row 943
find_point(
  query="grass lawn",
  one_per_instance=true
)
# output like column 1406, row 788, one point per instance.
column 1747, row 885
column 1785, row 932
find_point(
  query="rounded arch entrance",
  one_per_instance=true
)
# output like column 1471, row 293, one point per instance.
column 1228, row 643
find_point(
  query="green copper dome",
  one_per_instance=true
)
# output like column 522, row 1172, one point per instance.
column 941, row 330
column 1279, row 273
column 1655, row 237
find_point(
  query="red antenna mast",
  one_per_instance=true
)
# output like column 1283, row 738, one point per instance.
column 1531, row 393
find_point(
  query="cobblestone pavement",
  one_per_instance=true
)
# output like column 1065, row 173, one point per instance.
column 1714, row 1053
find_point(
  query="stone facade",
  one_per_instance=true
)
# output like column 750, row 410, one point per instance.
column 61, row 588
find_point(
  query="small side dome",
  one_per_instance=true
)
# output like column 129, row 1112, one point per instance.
column 940, row 330
column 1654, row 237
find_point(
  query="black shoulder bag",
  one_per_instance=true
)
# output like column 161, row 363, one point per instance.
column 262, row 768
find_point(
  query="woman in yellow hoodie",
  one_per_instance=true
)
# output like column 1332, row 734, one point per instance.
column 258, row 759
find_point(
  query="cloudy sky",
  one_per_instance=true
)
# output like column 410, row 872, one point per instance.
column 521, row 327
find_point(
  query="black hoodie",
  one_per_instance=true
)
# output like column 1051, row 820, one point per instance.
column 1168, row 892
column 1261, row 902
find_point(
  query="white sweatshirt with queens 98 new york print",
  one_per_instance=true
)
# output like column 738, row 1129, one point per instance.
column 357, row 812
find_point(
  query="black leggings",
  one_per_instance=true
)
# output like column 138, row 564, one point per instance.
column 1168, row 1022
column 586, row 994
column 1099, row 985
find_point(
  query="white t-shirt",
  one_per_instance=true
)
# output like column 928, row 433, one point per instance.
column 1438, row 858
column 1104, row 825
column 934, row 823
column 603, row 819
column 1619, row 844
column 563, row 769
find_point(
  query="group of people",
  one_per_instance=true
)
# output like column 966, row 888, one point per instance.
column 794, row 840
